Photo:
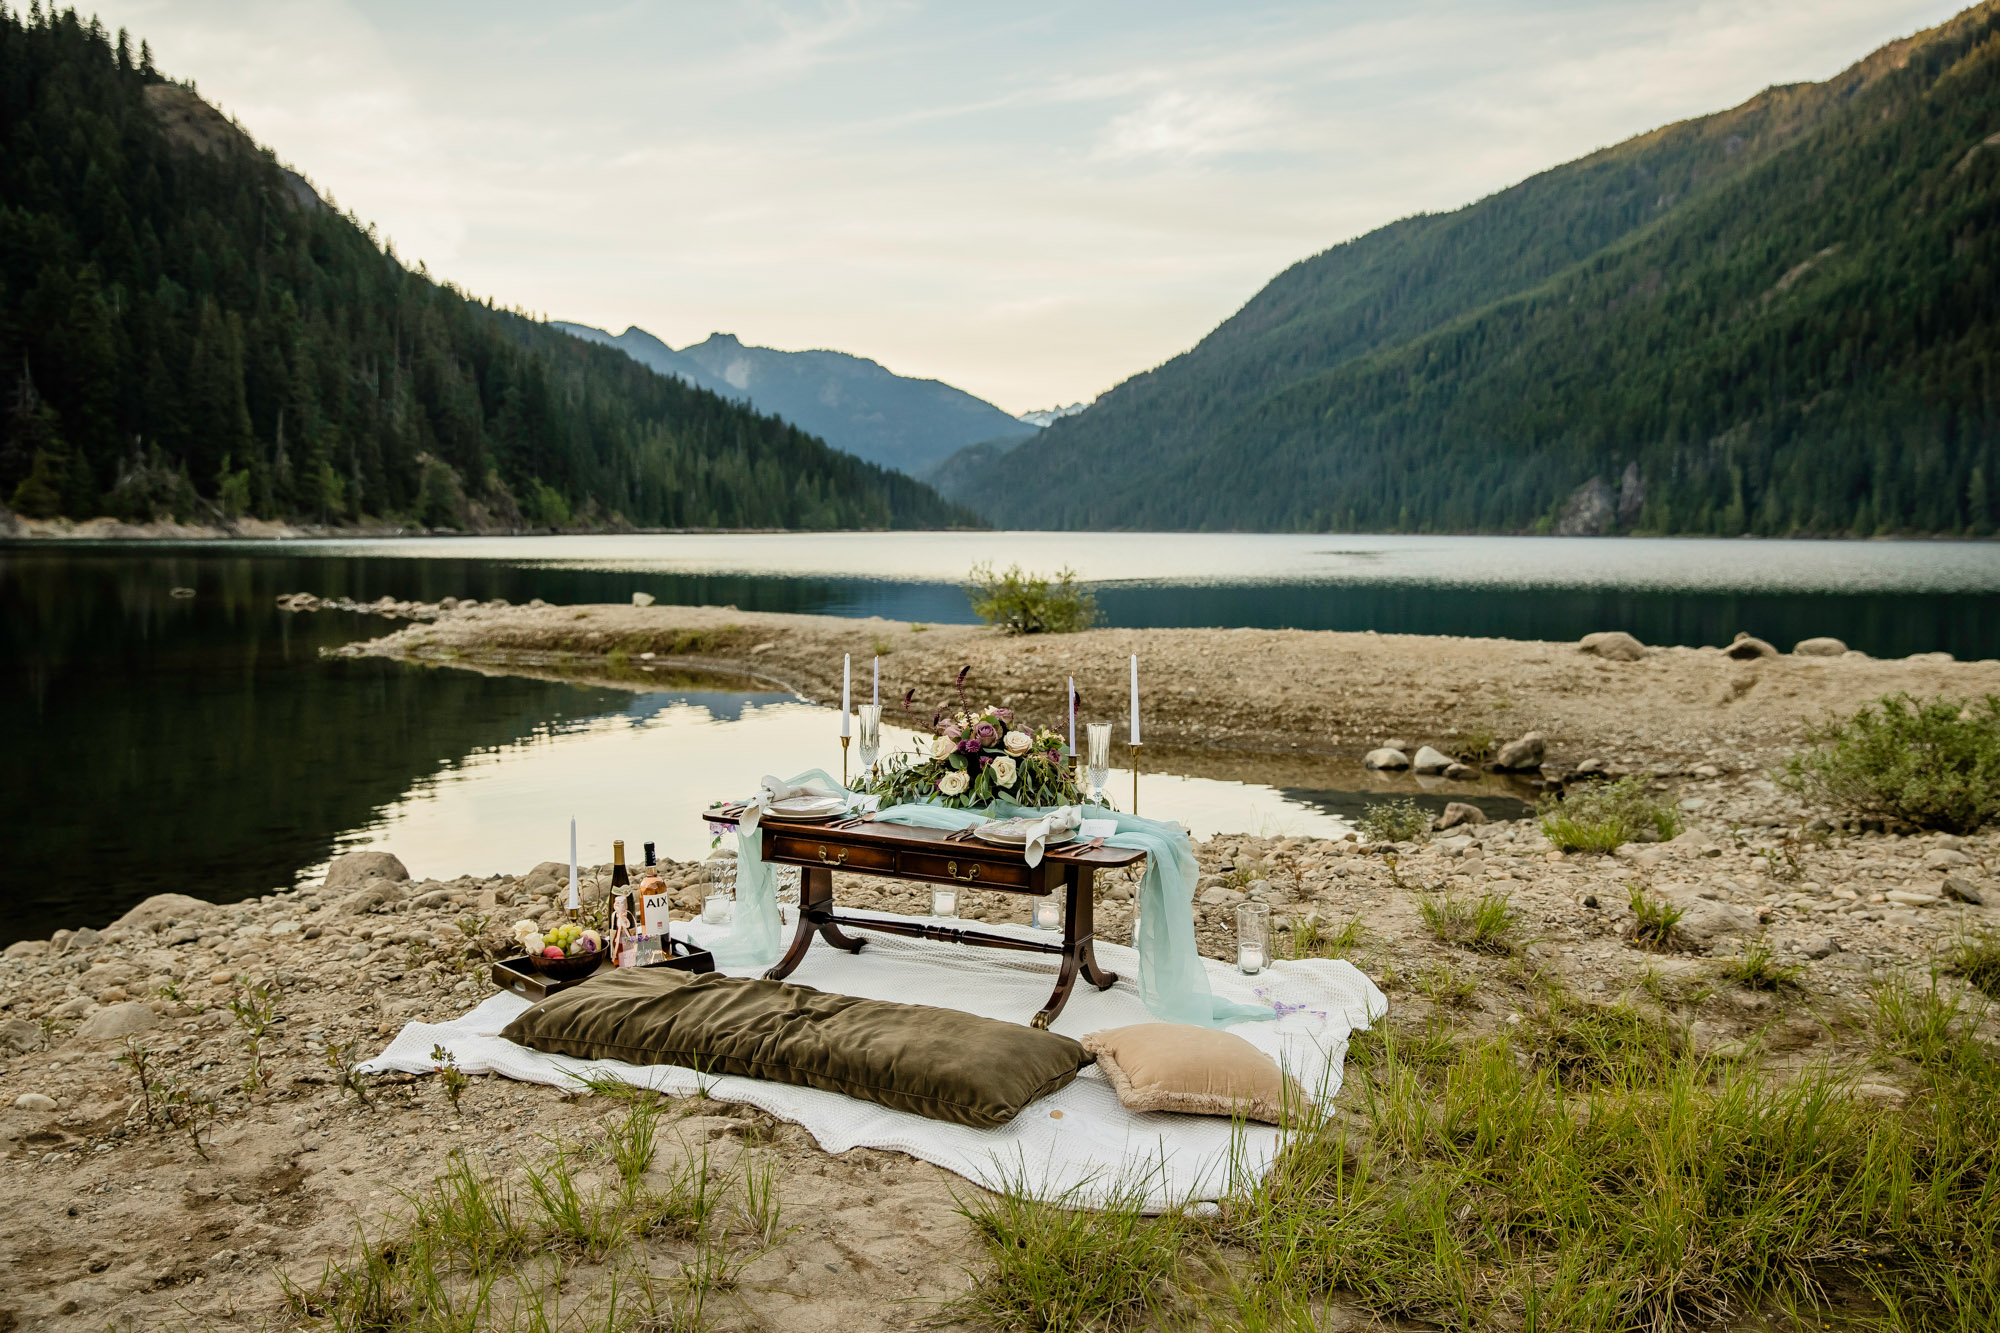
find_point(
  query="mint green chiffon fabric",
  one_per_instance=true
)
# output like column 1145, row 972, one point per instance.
column 1172, row 981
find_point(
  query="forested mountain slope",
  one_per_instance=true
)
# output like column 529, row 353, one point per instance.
column 1775, row 319
column 186, row 328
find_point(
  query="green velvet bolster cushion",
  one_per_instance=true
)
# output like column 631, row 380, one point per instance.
column 938, row 1063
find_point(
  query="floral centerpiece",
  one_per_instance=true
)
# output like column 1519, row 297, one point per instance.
column 973, row 756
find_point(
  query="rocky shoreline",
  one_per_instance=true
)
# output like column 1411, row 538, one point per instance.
column 251, row 1014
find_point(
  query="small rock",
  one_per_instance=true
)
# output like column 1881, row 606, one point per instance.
column 115, row 1022
column 1526, row 752
column 18, row 1036
column 1459, row 812
column 351, row 870
column 34, row 1101
column 1911, row 898
column 162, row 908
column 1879, row 1092
column 1946, row 858
column 1704, row 771
column 1593, row 768
column 1396, row 743
column 1705, row 922
column 1461, row 773
column 1959, row 891
column 1748, row 649
column 1386, row 757
column 1431, row 761
column 1613, row 646
column 1821, row 647
column 642, row 599
column 762, row 648
column 221, row 977
column 1818, row 946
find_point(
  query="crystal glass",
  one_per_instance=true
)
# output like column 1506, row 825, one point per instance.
column 1048, row 914
column 870, row 738
column 1253, row 937
column 1097, row 755
column 718, row 908
column 944, row 900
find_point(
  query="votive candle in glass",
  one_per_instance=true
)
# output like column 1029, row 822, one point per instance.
column 1253, row 937
column 944, row 900
column 1048, row 914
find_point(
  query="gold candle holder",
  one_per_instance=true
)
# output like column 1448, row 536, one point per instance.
column 844, row 742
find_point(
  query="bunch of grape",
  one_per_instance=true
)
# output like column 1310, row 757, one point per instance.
column 563, row 936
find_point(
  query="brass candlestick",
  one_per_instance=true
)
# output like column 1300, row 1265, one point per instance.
column 843, row 759
column 1135, row 777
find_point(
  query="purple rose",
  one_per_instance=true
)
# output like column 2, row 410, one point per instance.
column 987, row 733
column 1052, row 756
column 1004, row 714
column 950, row 729
column 970, row 745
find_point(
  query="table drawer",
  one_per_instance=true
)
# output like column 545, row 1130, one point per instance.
column 942, row 866
column 806, row 850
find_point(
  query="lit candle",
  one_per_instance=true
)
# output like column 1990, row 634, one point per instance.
column 876, row 697
column 846, row 692
column 1135, row 698
column 1072, row 715
column 573, row 902
column 1250, row 957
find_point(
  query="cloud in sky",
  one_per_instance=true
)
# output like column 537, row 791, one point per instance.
column 1029, row 202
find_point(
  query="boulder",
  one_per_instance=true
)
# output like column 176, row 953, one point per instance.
column 35, row 1101
column 642, row 599
column 1431, row 761
column 18, row 1036
column 1706, row 922
column 1748, row 649
column 1459, row 812
column 1818, row 946
column 1820, row 647
column 1395, row 743
column 164, row 909
column 1461, row 773
column 351, row 870
column 375, row 896
column 1524, row 752
column 545, row 877
column 1959, row 891
column 1386, row 757
column 1613, row 645
column 116, row 1022
column 1947, row 858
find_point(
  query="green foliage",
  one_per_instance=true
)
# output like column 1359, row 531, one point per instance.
column 1485, row 925
column 1773, row 319
column 1397, row 820
column 1023, row 604
column 1313, row 938
column 1933, row 763
column 1975, row 956
column 170, row 295
column 1603, row 815
column 1653, row 921
column 1758, row 968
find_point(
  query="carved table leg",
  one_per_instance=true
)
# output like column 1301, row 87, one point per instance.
column 816, row 885
column 1083, row 912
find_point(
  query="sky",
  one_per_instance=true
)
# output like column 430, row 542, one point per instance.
column 1030, row 201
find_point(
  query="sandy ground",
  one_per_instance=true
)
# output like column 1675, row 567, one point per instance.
column 117, row 1224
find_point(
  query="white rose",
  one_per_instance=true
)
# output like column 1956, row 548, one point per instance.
column 533, row 944
column 954, row 783
column 942, row 747
column 1018, row 743
column 1003, row 771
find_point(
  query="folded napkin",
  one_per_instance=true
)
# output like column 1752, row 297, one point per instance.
column 1062, row 819
column 772, row 790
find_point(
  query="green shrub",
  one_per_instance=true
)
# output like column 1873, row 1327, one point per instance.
column 1935, row 763
column 1400, row 820
column 1975, row 957
column 1022, row 604
column 1604, row 815
column 1653, row 921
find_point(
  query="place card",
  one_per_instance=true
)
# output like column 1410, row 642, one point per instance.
column 1096, row 828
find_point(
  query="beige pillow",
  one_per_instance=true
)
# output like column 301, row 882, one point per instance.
column 1179, row 1067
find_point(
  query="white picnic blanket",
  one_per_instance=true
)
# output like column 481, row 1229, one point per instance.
column 1077, row 1145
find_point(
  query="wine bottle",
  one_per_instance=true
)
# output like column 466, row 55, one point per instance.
column 619, row 879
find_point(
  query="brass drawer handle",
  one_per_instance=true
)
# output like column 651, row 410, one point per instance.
column 971, row 872
column 840, row 860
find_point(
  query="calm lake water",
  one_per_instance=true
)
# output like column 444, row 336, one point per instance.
column 203, row 745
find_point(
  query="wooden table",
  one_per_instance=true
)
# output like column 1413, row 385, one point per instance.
column 932, row 856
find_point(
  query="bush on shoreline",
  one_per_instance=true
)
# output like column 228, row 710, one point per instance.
column 1933, row 763
column 1605, row 815
column 1023, row 604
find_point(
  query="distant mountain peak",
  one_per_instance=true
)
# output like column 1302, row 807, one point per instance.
column 1043, row 417
column 856, row 405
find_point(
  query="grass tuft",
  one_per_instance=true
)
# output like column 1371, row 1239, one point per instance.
column 1975, row 957
column 1758, row 968
column 1653, row 921
column 1313, row 938
column 1486, row 925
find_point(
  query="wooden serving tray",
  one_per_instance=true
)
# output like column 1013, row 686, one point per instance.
column 518, row 975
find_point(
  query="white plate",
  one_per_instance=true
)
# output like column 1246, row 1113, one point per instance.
column 1014, row 833
column 808, row 807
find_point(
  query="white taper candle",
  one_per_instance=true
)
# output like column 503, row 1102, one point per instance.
column 573, row 901
column 846, row 692
column 1135, row 698
column 1072, row 715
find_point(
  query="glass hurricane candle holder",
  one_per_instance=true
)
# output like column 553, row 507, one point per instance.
column 1048, row 914
column 944, row 900
column 1253, row 937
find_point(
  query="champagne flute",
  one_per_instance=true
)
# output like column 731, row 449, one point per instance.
column 1097, row 757
column 870, row 740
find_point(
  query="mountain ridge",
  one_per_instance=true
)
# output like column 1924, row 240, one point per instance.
column 1350, row 378
column 854, row 403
